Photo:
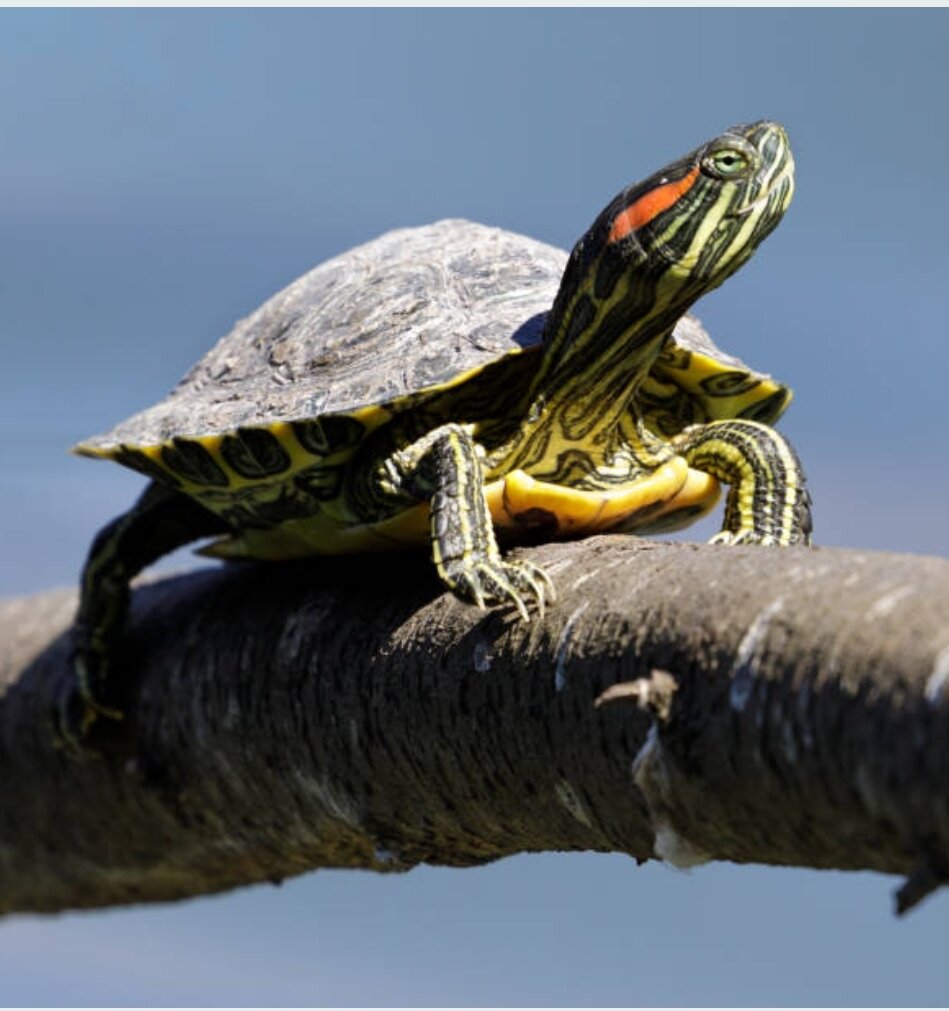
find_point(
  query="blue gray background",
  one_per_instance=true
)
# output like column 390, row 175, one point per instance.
column 162, row 172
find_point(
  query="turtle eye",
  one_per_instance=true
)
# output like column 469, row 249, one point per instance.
column 726, row 163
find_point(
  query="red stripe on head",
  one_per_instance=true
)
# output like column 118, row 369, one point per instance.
column 650, row 205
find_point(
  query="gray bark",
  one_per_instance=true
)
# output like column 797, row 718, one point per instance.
column 776, row 706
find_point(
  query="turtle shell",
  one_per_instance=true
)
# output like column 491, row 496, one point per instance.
column 410, row 311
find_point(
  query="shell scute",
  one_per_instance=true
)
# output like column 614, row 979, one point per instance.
column 328, row 435
column 143, row 463
column 254, row 453
column 730, row 384
column 192, row 462
column 767, row 409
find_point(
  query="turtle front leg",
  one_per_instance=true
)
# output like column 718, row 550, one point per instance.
column 768, row 501
column 445, row 468
column 160, row 521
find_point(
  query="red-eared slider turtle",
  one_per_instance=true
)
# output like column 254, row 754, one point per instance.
column 442, row 384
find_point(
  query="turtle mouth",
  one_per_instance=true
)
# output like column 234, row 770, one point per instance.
column 743, row 212
column 783, row 185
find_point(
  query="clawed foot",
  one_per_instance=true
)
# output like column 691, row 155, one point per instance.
column 488, row 581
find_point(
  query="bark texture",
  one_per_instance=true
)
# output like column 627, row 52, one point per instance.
column 778, row 706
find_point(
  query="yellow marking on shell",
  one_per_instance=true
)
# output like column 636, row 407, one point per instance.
column 462, row 377
column 370, row 417
column 154, row 454
column 702, row 367
column 515, row 499
column 212, row 443
column 92, row 452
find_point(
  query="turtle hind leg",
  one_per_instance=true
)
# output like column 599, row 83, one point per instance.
column 160, row 521
column 768, row 501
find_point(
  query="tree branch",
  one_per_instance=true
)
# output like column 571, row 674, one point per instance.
column 794, row 709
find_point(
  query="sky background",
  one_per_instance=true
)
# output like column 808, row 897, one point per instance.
column 163, row 172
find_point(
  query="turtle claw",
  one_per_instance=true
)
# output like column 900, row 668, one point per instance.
column 723, row 537
column 488, row 582
column 742, row 537
column 533, row 580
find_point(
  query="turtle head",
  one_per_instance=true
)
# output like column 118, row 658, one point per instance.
column 656, row 248
column 662, row 243
column 694, row 223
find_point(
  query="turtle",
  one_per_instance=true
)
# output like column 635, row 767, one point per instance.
column 466, row 388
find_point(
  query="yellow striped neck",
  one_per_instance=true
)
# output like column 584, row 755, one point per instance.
column 583, row 396
column 655, row 249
